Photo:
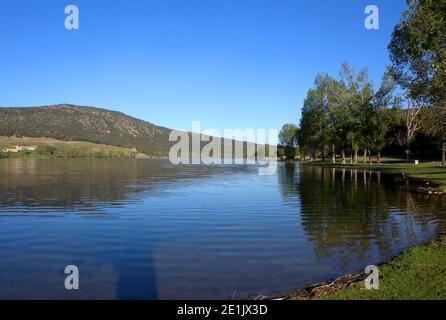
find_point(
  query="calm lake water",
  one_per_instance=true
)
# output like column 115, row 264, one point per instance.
column 145, row 229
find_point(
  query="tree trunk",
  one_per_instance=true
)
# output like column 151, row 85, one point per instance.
column 378, row 157
column 356, row 155
column 333, row 154
column 343, row 157
column 407, row 148
column 365, row 156
column 443, row 153
column 370, row 157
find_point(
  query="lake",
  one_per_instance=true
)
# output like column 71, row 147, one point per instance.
column 146, row 229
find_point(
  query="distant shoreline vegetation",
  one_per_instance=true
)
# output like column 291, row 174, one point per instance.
column 45, row 148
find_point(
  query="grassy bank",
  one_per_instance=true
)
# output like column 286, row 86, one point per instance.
column 428, row 171
column 419, row 273
column 45, row 148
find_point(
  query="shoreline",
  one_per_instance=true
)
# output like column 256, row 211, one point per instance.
column 351, row 286
column 427, row 177
column 355, row 281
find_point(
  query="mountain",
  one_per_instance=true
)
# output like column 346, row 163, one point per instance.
column 79, row 123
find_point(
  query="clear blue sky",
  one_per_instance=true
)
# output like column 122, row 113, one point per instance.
column 228, row 63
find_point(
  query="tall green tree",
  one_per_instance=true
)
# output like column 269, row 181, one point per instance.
column 418, row 53
column 338, row 117
column 288, row 139
column 384, row 103
column 357, row 90
column 344, row 115
column 314, row 125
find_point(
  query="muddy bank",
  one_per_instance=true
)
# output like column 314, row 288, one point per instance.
column 326, row 289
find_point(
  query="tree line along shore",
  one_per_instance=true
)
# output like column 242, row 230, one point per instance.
column 405, row 115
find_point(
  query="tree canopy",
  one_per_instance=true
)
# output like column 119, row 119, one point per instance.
column 343, row 115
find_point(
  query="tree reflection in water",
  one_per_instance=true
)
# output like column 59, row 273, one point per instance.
column 348, row 214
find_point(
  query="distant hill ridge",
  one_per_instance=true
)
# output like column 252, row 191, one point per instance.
column 70, row 122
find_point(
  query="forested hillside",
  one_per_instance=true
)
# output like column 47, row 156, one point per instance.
column 76, row 123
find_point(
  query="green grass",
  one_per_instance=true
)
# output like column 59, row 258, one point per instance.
column 418, row 274
column 429, row 171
